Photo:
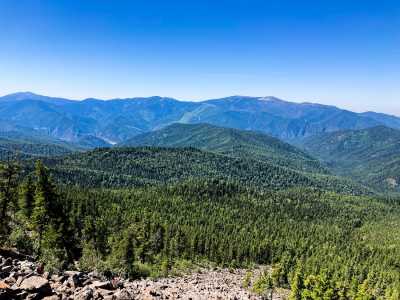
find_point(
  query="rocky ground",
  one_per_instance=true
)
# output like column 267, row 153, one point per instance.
column 21, row 278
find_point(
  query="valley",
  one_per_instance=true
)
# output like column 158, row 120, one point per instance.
column 370, row 156
column 199, row 150
column 197, row 209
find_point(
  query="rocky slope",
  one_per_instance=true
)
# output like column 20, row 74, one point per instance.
column 21, row 278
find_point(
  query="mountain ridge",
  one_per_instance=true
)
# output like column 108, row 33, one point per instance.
column 116, row 120
column 371, row 156
column 229, row 141
column 122, row 167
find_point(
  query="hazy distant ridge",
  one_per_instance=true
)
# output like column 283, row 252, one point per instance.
column 100, row 122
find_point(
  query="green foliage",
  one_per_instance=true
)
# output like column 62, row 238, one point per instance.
column 14, row 145
column 247, row 279
column 20, row 239
column 127, row 167
column 165, row 267
column 125, row 251
column 317, row 287
column 231, row 142
column 8, row 196
column 264, row 285
column 279, row 275
column 371, row 156
column 27, row 197
column 91, row 260
column 330, row 246
column 297, row 284
column 52, row 252
column 226, row 223
column 37, row 223
column 41, row 211
column 260, row 284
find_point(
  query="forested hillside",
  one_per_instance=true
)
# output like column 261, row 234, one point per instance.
column 371, row 156
column 14, row 144
column 319, row 243
column 127, row 167
column 228, row 141
column 204, row 195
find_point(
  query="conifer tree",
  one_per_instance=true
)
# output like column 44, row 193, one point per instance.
column 44, row 202
column 8, row 195
column 27, row 197
column 297, row 284
column 270, row 286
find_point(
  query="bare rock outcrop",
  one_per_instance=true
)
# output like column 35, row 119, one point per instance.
column 21, row 278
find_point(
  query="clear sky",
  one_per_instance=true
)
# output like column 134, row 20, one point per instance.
column 340, row 52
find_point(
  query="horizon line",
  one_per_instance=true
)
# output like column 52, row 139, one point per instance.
column 194, row 101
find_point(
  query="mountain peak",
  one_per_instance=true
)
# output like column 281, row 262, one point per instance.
column 23, row 96
column 271, row 99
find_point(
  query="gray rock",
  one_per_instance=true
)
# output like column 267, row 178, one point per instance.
column 19, row 280
column 72, row 273
column 102, row 285
column 85, row 294
column 72, row 282
column 7, row 269
column 123, row 295
column 10, row 280
column 104, row 292
column 53, row 297
column 36, row 284
column 34, row 296
column 7, row 262
column 58, row 278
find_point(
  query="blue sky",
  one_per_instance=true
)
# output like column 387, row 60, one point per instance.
column 345, row 53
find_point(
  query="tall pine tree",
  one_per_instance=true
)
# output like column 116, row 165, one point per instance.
column 8, row 195
column 45, row 198
column 27, row 197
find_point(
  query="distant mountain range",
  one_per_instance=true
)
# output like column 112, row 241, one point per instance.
column 97, row 123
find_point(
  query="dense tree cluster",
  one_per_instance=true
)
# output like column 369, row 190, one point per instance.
column 322, row 245
column 370, row 156
column 126, row 167
column 12, row 148
column 231, row 142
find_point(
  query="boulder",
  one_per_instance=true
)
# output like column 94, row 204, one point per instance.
column 19, row 280
column 123, row 295
column 104, row 292
column 34, row 296
column 84, row 294
column 36, row 284
column 106, row 285
column 4, row 285
column 10, row 280
column 7, row 262
column 53, row 297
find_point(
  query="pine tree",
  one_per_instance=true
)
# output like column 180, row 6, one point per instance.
column 270, row 286
column 53, row 253
column 27, row 197
column 8, row 195
column 44, row 204
column 297, row 284
column 40, row 217
column 363, row 292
